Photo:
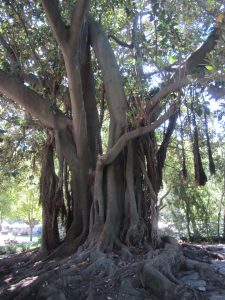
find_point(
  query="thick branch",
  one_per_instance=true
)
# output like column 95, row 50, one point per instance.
column 137, row 49
column 93, row 130
column 199, row 55
column 111, row 155
column 58, row 27
column 166, row 90
column 180, row 76
column 111, row 76
column 78, row 14
column 42, row 109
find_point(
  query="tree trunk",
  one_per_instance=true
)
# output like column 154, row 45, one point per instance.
column 223, row 223
column 187, row 213
column 31, row 231
column 48, row 186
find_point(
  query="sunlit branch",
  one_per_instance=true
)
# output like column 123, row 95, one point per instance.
column 58, row 27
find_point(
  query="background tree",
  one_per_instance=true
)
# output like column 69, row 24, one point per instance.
column 197, row 211
column 20, row 161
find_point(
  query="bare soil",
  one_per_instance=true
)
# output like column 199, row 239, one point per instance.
column 175, row 271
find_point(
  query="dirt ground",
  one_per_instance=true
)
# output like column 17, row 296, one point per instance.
column 183, row 271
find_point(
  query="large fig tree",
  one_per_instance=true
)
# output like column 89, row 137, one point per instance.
column 111, row 196
column 108, row 197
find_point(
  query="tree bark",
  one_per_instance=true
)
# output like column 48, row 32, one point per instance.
column 50, row 233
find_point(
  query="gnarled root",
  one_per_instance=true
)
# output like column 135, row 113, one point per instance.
column 157, row 274
column 160, row 286
column 68, row 247
column 94, row 274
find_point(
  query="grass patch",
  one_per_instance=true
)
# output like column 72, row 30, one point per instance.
column 14, row 247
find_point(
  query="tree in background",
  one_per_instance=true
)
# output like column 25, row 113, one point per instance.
column 196, row 211
column 27, row 207
column 20, row 197
column 20, row 164
column 5, row 202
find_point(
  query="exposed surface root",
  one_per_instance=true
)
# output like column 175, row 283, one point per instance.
column 160, row 286
column 91, row 274
column 201, row 253
column 67, row 247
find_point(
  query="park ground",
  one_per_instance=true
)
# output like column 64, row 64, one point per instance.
column 22, row 276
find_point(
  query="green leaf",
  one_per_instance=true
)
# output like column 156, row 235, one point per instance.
column 172, row 59
column 210, row 68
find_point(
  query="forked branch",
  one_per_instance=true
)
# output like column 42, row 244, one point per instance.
column 54, row 17
column 166, row 90
column 62, row 34
column 112, row 154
